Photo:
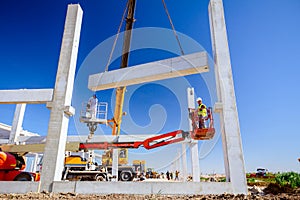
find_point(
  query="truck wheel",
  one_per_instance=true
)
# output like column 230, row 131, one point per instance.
column 23, row 177
column 100, row 177
column 126, row 176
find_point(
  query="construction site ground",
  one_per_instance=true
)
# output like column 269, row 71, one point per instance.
column 144, row 197
column 255, row 192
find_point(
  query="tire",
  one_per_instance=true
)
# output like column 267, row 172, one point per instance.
column 126, row 176
column 23, row 177
column 100, row 177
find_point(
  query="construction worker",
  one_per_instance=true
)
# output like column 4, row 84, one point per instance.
column 92, row 106
column 202, row 113
column 177, row 175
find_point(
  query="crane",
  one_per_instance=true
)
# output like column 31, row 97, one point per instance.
column 120, row 91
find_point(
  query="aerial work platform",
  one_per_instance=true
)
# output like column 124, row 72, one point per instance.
column 100, row 116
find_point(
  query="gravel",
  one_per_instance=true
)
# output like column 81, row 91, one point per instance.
column 45, row 195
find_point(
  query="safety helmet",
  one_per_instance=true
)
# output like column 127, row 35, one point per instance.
column 199, row 99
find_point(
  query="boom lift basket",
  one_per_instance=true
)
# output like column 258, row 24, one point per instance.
column 101, row 113
column 202, row 133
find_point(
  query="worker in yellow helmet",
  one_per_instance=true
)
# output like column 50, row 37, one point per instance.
column 202, row 113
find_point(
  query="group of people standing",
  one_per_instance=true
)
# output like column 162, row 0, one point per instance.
column 169, row 175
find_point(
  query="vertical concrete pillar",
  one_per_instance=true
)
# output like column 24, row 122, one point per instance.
column 61, row 110
column 194, row 144
column 17, row 123
column 232, row 145
column 178, row 159
column 115, row 163
column 35, row 162
column 184, row 162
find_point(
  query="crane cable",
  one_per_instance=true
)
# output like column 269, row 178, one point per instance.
column 166, row 9
column 116, row 39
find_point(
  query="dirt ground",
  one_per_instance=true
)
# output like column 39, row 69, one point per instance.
column 144, row 197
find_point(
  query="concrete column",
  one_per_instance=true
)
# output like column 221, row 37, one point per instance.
column 194, row 144
column 61, row 109
column 232, row 145
column 178, row 166
column 115, row 163
column 35, row 162
column 184, row 162
column 17, row 123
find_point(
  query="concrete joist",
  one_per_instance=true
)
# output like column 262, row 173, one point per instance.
column 37, row 148
column 27, row 96
column 153, row 71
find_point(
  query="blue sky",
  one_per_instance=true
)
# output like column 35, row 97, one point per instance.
column 264, row 45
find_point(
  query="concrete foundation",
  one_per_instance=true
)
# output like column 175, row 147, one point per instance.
column 88, row 187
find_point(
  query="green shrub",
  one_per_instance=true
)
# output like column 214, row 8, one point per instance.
column 291, row 179
column 222, row 179
column 251, row 180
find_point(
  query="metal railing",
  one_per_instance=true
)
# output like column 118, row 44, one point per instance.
column 101, row 111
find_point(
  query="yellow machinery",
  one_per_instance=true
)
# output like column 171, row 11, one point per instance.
column 139, row 166
column 107, row 157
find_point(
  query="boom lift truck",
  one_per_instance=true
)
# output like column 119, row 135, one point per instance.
column 79, row 162
column 12, row 167
column 78, row 168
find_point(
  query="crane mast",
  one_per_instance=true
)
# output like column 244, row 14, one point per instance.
column 120, row 91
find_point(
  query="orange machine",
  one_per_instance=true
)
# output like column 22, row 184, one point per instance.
column 202, row 133
column 12, row 168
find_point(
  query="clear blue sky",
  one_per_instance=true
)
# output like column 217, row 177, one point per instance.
column 264, row 45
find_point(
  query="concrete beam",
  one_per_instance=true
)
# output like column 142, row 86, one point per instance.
column 36, row 148
column 28, row 96
column 153, row 71
column 109, row 138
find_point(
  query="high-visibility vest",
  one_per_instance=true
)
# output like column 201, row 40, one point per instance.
column 202, row 111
